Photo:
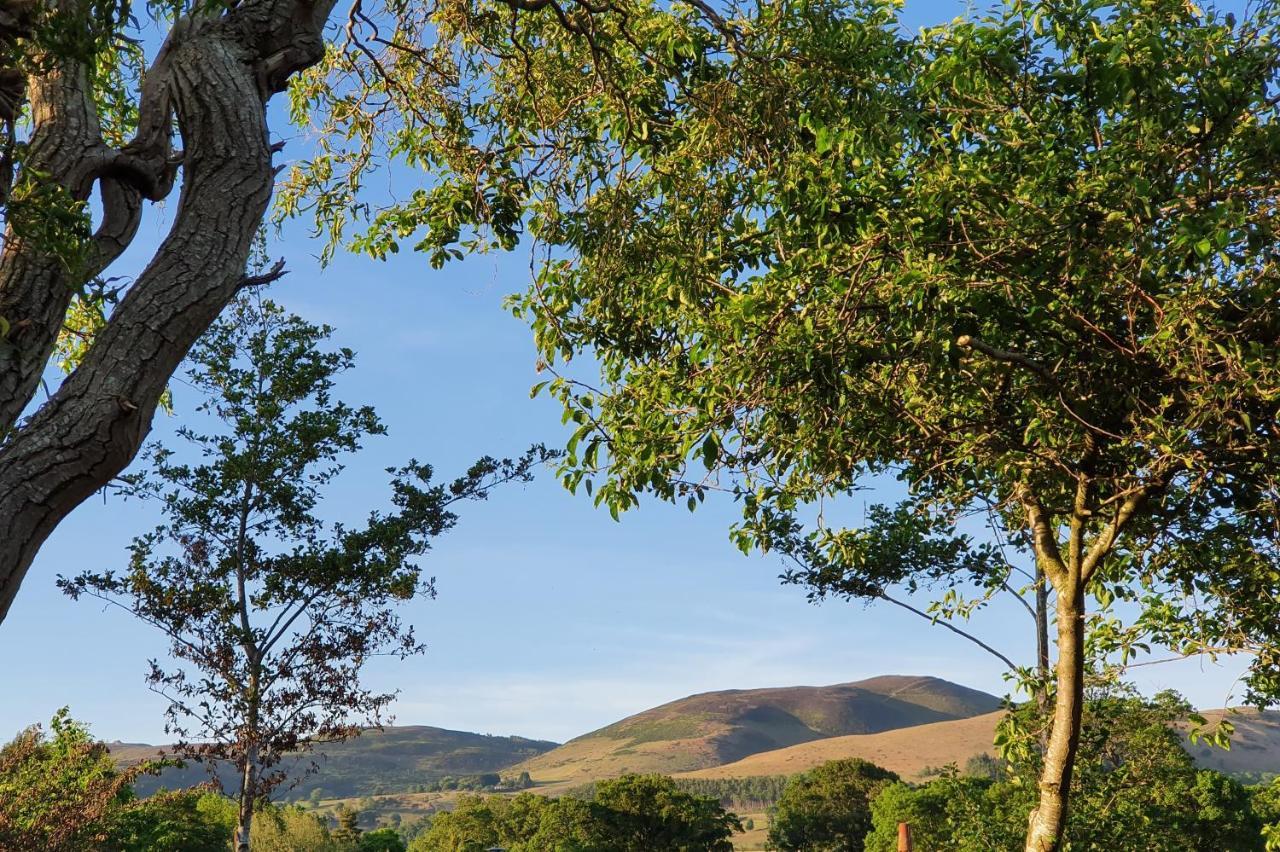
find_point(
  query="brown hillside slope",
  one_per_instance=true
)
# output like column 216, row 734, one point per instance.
column 1255, row 747
column 906, row 751
column 714, row 728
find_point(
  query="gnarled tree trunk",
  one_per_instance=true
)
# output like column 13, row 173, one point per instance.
column 212, row 78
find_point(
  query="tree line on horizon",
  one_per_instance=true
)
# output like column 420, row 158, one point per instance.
column 1138, row 777
column 1024, row 262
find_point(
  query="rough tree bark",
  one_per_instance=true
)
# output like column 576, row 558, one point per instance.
column 211, row 79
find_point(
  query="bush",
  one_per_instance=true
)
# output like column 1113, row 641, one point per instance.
column 636, row 813
column 59, row 792
column 828, row 808
column 187, row 821
column 291, row 829
column 381, row 840
column 952, row 814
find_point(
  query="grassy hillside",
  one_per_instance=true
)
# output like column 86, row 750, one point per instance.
column 905, row 724
column 904, row 751
column 715, row 728
column 395, row 759
column 1255, row 748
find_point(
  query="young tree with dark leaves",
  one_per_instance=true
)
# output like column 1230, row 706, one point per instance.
column 271, row 611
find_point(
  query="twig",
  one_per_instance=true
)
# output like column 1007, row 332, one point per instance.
column 275, row 273
column 974, row 639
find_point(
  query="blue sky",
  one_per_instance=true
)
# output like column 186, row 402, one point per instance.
column 551, row 619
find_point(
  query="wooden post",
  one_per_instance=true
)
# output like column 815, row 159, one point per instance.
column 904, row 837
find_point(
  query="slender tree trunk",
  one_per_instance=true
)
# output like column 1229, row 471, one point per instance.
column 248, row 793
column 1042, row 647
column 1042, row 623
column 1048, row 821
column 249, row 779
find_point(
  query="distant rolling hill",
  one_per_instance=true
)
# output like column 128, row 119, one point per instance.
column 1255, row 748
column 905, row 724
column 395, row 759
column 716, row 728
column 906, row 751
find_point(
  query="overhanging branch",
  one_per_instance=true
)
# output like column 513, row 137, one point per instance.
column 956, row 630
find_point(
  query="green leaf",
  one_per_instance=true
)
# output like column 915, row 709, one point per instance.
column 710, row 451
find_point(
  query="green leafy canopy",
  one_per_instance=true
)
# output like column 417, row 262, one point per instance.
column 1024, row 262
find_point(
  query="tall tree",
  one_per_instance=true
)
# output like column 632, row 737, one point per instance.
column 79, row 113
column 1025, row 263
column 270, row 611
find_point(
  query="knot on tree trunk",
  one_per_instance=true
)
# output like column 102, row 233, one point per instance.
column 282, row 38
column 143, row 165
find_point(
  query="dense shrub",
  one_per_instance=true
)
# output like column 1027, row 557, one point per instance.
column 59, row 790
column 635, row 813
column 828, row 809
